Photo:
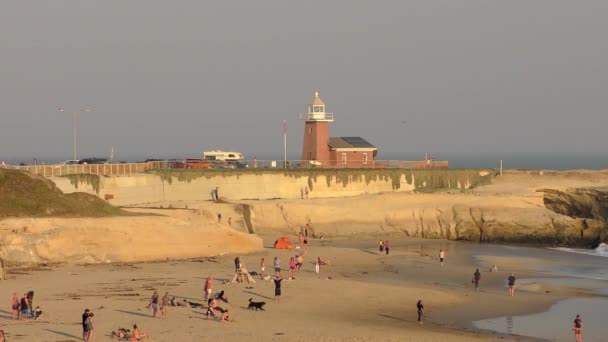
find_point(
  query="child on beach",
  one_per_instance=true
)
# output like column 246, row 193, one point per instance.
column 441, row 256
column 476, row 277
column 381, row 246
column 277, row 266
column 318, row 265
column 420, row 308
column 387, row 246
column 262, row 268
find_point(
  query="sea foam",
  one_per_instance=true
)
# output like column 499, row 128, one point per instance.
column 600, row 251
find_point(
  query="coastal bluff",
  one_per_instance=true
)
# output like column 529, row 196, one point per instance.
column 531, row 207
column 265, row 184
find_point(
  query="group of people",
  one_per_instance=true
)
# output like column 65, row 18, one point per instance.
column 24, row 308
column 384, row 246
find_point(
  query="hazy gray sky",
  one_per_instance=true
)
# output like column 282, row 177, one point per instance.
column 178, row 77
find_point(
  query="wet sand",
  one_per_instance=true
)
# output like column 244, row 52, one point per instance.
column 372, row 297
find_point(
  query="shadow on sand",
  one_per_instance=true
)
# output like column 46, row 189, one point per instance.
column 259, row 295
column 135, row 313
column 61, row 333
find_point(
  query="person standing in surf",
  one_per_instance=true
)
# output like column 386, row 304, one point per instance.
column 511, row 281
column 578, row 328
column 476, row 277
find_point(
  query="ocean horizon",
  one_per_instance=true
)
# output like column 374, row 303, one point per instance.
column 545, row 161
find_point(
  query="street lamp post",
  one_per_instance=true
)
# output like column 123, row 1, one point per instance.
column 75, row 130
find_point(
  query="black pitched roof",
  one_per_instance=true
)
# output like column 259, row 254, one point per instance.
column 349, row 142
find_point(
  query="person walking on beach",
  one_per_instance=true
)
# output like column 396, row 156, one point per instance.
column 15, row 306
column 318, row 266
column 420, row 308
column 262, row 268
column 89, row 327
column 387, row 246
column 208, row 287
column 154, row 303
column 216, row 191
column 277, row 266
column 85, row 316
column 381, row 246
column 511, row 280
column 277, row 287
column 24, row 307
column 299, row 262
column 292, row 267
column 219, row 217
column 476, row 277
column 165, row 303
column 441, row 256
column 578, row 328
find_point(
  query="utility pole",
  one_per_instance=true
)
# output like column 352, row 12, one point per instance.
column 284, row 143
column 75, row 130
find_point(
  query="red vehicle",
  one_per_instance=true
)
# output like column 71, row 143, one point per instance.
column 196, row 164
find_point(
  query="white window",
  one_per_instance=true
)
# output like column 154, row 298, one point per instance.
column 364, row 158
column 343, row 158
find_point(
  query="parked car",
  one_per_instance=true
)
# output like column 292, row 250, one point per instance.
column 93, row 161
column 69, row 162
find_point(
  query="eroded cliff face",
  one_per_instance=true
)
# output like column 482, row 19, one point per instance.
column 494, row 219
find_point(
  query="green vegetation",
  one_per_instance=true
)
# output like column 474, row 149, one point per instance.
column 24, row 195
column 85, row 178
column 421, row 179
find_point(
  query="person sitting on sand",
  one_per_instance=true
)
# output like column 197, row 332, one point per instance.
column 218, row 314
column 120, row 333
column 137, row 335
column 37, row 313
column 183, row 303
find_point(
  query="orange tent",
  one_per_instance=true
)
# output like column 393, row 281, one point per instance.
column 284, row 243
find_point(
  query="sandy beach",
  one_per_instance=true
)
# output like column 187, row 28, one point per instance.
column 372, row 297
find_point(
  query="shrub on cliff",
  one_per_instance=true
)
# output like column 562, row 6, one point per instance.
column 22, row 195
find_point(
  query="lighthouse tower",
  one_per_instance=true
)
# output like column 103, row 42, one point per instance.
column 316, row 133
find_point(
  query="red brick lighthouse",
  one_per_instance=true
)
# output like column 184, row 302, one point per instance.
column 316, row 132
column 338, row 152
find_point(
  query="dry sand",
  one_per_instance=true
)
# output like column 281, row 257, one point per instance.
column 372, row 297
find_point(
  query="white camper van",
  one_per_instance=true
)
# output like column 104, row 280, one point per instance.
column 223, row 156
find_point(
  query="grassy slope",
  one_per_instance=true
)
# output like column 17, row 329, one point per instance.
column 23, row 195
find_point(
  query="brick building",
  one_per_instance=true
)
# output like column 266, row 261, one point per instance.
column 321, row 150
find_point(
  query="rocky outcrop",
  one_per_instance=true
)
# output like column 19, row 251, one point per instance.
column 491, row 219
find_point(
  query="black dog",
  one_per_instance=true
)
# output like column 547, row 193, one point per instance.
column 256, row 305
